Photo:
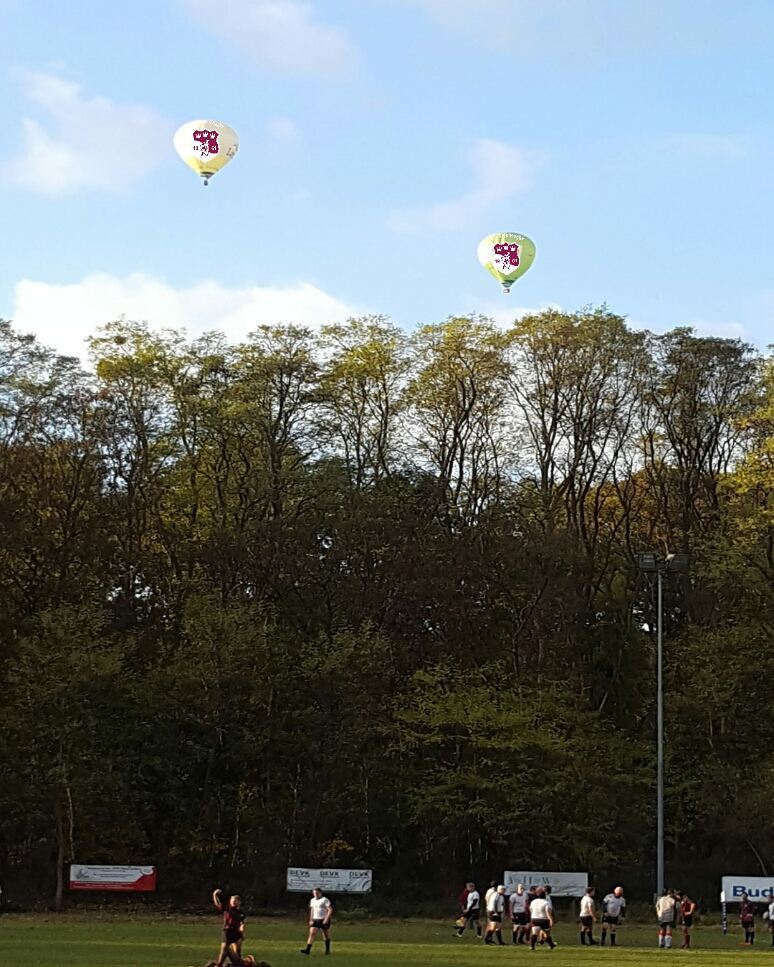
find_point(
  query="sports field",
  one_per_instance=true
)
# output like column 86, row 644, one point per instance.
column 144, row 942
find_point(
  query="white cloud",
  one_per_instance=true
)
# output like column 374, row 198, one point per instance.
column 279, row 35
column 720, row 147
column 505, row 316
column 723, row 330
column 63, row 316
column 586, row 29
column 87, row 142
column 497, row 22
column 499, row 172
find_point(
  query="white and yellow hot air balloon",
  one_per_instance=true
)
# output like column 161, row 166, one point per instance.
column 206, row 146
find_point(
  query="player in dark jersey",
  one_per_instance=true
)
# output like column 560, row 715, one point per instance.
column 747, row 920
column 687, row 912
column 233, row 929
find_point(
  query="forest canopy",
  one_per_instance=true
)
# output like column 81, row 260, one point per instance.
column 370, row 598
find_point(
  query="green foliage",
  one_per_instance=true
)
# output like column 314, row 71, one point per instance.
column 358, row 597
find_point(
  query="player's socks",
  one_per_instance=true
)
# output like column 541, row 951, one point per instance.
column 550, row 941
column 583, row 937
column 533, row 941
column 604, row 937
column 307, row 950
column 327, row 946
column 612, row 940
column 668, row 941
column 499, row 938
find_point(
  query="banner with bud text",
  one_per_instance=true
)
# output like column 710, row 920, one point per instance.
column 303, row 880
column 759, row 889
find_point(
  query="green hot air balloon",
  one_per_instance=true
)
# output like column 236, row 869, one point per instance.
column 507, row 256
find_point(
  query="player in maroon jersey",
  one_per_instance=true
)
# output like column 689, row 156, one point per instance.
column 687, row 911
column 747, row 919
column 233, row 930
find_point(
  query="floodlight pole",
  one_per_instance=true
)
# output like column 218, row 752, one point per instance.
column 660, row 738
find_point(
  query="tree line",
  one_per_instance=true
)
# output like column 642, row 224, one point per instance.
column 360, row 597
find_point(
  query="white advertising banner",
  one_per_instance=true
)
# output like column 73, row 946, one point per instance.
column 562, row 884
column 133, row 878
column 302, row 880
column 760, row 889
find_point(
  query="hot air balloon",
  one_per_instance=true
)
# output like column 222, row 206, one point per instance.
column 206, row 146
column 507, row 256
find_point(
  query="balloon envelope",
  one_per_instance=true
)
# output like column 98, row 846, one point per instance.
column 507, row 255
column 206, row 146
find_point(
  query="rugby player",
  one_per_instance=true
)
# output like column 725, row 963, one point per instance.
column 495, row 907
column 687, row 911
column 666, row 911
column 747, row 920
column 233, row 929
column 613, row 912
column 588, row 915
column 518, row 906
column 541, row 919
column 471, row 910
column 320, row 914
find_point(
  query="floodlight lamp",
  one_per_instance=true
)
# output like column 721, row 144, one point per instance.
column 678, row 562
column 647, row 561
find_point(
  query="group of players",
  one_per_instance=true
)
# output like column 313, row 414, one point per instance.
column 320, row 916
column 531, row 912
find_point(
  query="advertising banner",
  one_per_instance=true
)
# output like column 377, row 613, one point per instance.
column 138, row 879
column 562, row 884
column 302, row 880
column 760, row 889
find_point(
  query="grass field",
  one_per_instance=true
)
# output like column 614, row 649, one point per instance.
column 179, row 942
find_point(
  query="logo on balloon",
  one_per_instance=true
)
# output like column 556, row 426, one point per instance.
column 506, row 256
column 207, row 143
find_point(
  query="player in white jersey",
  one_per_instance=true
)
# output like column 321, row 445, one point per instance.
column 471, row 911
column 666, row 911
column 541, row 916
column 518, row 906
column 613, row 913
column 320, row 915
column 495, row 908
column 769, row 915
column 588, row 915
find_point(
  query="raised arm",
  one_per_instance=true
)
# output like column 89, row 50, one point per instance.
column 216, row 900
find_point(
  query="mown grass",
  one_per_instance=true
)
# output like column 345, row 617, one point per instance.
column 66, row 941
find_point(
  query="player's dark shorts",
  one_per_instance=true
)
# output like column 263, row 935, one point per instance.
column 688, row 921
column 541, row 924
column 495, row 917
column 521, row 919
column 320, row 924
column 473, row 914
column 609, row 918
column 666, row 923
column 232, row 936
column 748, row 923
column 587, row 921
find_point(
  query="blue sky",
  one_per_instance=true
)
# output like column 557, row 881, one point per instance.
column 380, row 140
